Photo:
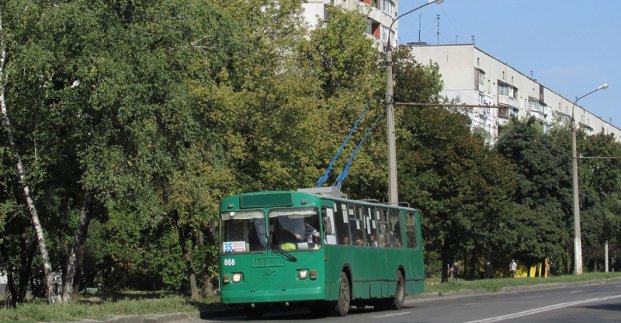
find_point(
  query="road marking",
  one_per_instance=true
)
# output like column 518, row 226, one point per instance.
column 542, row 309
column 389, row 315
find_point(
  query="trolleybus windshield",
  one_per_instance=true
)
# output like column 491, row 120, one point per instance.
column 294, row 229
column 243, row 232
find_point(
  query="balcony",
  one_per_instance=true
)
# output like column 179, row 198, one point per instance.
column 507, row 101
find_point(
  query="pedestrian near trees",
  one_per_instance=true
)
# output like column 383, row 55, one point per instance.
column 512, row 268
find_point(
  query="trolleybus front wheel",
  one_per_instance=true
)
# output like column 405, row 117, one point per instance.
column 341, row 308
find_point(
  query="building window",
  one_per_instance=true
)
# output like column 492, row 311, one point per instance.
column 507, row 90
column 536, row 105
column 373, row 28
column 503, row 89
column 479, row 79
column 541, row 93
column 387, row 6
column 503, row 112
column 386, row 32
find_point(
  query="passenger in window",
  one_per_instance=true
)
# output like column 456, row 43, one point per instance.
column 397, row 234
column 359, row 241
column 372, row 241
column 393, row 241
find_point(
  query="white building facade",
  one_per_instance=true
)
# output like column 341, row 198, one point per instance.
column 380, row 15
column 474, row 77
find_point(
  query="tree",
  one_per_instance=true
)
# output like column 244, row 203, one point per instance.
column 345, row 62
column 21, row 172
column 599, row 186
column 461, row 186
column 541, row 162
column 160, row 160
column 113, row 109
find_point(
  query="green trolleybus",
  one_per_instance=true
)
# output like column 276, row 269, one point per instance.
column 323, row 249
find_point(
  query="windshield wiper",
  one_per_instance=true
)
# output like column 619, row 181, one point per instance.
column 286, row 255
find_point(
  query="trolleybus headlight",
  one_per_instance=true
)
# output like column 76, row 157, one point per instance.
column 237, row 277
column 302, row 274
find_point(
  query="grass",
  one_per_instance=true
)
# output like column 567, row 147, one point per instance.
column 91, row 308
column 137, row 303
column 497, row 284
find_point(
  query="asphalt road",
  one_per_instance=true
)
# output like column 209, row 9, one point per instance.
column 574, row 303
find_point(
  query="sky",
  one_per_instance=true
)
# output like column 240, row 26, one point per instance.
column 569, row 46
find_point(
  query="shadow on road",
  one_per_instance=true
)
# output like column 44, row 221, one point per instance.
column 604, row 307
column 276, row 313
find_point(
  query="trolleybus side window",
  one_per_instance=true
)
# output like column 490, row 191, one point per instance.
column 356, row 225
column 383, row 231
column 394, row 236
column 243, row 231
column 341, row 224
column 410, row 230
column 372, row 227
column 329, row 234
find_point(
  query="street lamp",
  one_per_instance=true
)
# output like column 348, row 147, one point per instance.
column 393, row 194
column 574, row 165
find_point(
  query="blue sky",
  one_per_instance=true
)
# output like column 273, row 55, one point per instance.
column 570, row 46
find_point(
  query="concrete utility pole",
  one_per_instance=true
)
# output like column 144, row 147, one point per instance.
column 393, row 194
column 576, row 198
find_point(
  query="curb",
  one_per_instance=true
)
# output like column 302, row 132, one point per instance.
column 151, row 318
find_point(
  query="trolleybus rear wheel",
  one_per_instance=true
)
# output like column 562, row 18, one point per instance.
column 399, row 299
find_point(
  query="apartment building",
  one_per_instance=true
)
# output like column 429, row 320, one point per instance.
column 380, row 15
column 474, row 77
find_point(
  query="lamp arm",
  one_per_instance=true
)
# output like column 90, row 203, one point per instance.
column 404, row 14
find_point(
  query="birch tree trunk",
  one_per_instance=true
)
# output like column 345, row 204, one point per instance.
column 189, row 262
column 72, row 263
column 34, row 217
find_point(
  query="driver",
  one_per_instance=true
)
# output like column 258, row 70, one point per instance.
column 309, row 235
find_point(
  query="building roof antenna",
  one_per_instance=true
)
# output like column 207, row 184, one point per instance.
column 438, row 32
column 419, row 19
